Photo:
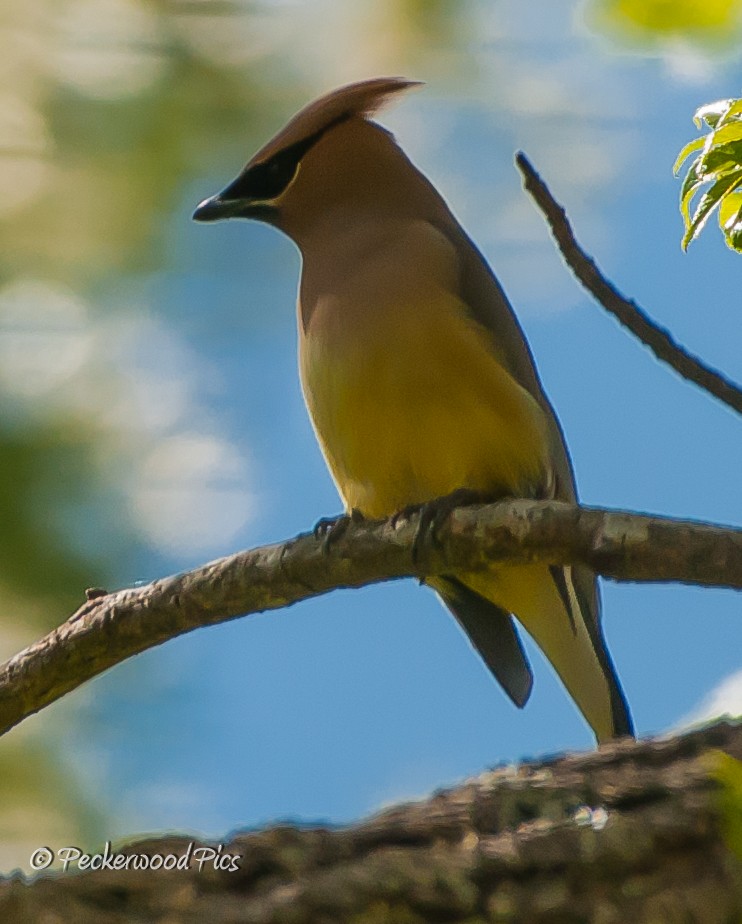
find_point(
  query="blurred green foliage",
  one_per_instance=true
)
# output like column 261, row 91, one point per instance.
column 40, row 802
column 109, row 111
column 105, row 115
column 714, row 23
column 717, row 166
column 38, row 464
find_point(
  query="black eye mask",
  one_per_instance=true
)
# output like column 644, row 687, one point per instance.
column 267, row 180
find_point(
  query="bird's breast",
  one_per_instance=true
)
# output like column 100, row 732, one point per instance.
column 408, row 400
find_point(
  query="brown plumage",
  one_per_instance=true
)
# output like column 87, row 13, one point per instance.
column 417, row 375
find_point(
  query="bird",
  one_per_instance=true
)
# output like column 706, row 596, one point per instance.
column 418, row 378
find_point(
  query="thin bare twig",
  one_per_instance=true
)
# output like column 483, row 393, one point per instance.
column 109, row 629
column 657, row 338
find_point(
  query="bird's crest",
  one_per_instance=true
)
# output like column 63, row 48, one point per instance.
column 362, row 99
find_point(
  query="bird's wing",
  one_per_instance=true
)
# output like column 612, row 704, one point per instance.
column 576, row 585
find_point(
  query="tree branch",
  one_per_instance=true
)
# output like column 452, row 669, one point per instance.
column 636, row 831
column 657, row 338
column 111, row 628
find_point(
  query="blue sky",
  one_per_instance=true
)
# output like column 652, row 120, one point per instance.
column 337, row 706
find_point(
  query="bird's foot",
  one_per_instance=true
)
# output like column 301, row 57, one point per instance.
column 434, row 513
column 330, row 529
column 403, row 515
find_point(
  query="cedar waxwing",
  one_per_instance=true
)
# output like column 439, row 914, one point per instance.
column 418, row 377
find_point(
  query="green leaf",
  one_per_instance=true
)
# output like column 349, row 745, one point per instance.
column 693, row 182
column 733, row 237
column 730, row 131
column 729, row 207
column 711, row 113
column 721, row 157
column 689, row 148
column 709, row 200
column 734, row 112
column 730, row 219
column 719, row 165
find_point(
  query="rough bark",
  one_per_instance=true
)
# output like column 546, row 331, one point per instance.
column 112, row 627
column 635, row 832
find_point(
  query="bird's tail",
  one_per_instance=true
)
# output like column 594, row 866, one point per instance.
column 559, row 608
column 492, row 632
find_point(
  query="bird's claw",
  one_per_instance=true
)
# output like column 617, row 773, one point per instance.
column 404, row 514
column 433, row 514
column 330, row 529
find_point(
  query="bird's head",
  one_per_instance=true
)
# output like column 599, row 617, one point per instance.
column 328, row 156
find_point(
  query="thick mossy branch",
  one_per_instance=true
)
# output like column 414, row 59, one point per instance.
column 110, row 628
column 636, row 831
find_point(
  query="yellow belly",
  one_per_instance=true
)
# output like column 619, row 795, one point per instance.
column 409, row 403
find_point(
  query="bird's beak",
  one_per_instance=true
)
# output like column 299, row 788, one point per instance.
column 222, row 206
column 216, row 208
